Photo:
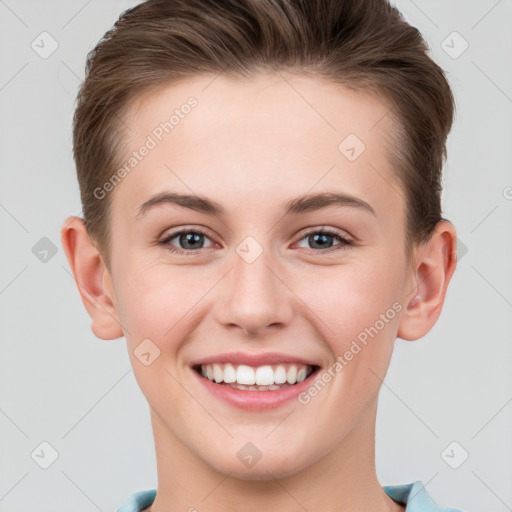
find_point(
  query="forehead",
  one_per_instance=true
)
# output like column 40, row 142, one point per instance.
column 271, row 136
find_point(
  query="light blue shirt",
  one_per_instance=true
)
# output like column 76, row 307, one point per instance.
column 413, row 495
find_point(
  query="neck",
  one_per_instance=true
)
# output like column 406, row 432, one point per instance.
column 342, row 480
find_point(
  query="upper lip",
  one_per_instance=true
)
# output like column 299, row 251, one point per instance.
column 261, row 359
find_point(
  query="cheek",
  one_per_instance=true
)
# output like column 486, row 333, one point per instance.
column 157, row 310
column 154, row 298
column 349, row 300
column 359, row 310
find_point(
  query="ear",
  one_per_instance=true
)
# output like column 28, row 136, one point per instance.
column 432, row 268
column 92, row 278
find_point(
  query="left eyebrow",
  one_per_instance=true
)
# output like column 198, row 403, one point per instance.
column 312, row 202
column 301, row 204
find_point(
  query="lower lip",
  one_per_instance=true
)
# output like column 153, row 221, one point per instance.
column 256, row 400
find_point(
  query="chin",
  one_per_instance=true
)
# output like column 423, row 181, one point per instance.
column 260, row 473
column 266, row 468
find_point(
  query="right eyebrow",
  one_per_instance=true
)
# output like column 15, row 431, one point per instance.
column 193, row 202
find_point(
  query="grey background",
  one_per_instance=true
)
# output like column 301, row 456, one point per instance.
column 60, row 384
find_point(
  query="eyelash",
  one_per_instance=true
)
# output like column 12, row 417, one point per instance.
column 343, row 245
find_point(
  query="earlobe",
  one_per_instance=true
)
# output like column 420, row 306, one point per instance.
column 91, row 277
column 433, row 268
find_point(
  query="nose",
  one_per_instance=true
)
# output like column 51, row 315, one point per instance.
column 255, row 297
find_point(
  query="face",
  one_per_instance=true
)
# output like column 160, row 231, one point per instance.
column 250, row 272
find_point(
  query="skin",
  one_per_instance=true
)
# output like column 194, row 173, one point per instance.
column 249, row 141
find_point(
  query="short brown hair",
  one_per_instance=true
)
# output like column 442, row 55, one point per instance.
column 363, row 44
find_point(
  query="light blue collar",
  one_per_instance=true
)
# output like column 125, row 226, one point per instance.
column 413, row 495
column 138, row 501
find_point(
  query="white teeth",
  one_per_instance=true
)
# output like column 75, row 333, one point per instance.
column 262, row 378
column 291, row 374
column 301, row 374
column 245, row 375
column 229, row 373
column 218, row 374
column 280, row 375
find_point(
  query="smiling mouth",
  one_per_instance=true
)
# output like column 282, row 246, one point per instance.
column 261, row 378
